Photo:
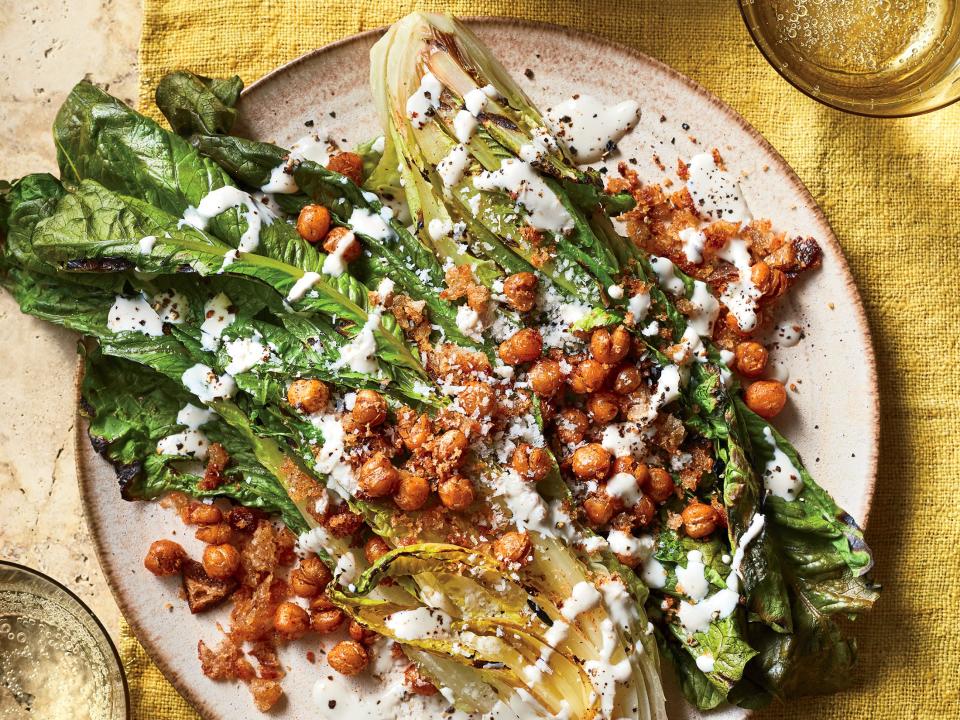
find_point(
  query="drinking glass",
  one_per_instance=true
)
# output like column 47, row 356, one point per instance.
column 883, row 58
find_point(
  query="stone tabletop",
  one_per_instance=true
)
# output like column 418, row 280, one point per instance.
column 45, row 47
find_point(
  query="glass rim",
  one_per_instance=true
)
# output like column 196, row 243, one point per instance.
column 73, row 597
column 822, row 100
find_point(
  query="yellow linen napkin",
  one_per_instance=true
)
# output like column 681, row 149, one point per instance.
column 890, row 190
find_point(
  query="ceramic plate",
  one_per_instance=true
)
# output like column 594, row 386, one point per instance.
column 832, row 417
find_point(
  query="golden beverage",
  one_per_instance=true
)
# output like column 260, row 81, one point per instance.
column 56, row 662
column 874, row 57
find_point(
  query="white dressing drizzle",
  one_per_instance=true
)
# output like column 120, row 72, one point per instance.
column 514, row 176
column 452, row 167
column 134, row 315
column 330, row 459
column 303, row 284
column 638, row 305
column 222, row 199
column 780, row 476
column 218, row 316
column 192, row 441
column 706, row 308
column 171, row 306
column 360, row 354
column 245, row 353
column 693, row 241
column 333, row 263
column 203, row 382
column 419, row 624
column 666, row 277
column 584, row 597
column 588, row 128
column 715, row 192
column 424, row 100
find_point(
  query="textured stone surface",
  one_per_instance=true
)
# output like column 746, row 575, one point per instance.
column 46, row 47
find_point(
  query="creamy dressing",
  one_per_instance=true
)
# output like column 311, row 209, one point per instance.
column 705, row 662
column 424, row 100
column 624, row 439
column 452, row 167
column 360, row 354
column 780, row 476
column 134, row 315
column 625, row 545
column 752, row 532
column 245, row 353
column 668, row 389
column 692, row 579
column 740, row 296
column 584, row 597
column 615, row 292
column 314, row 148
column 653, row 574
column 464, row 125
column 705, row 310
column 519, row 178
column 371, row 224
column 419, row 624
column 334, row 263
column 194, row 417
column 171, row 306
column 697, row 618
column 303, row 284
column 666, row 277
column 588, row 128
column 624, row 487
column 222, row 199
column 146, row 244
column 330, row 460
column 715, row 192
column 203, row 382
column 638, row 306
column 693, row 241
column 218, row 316
column 786, row 334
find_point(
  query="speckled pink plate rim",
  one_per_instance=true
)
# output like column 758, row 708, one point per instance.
column 101, row 499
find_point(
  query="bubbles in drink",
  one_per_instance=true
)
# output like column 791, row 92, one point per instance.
column 54, row 662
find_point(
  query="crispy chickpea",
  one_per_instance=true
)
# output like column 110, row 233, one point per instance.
column 311, row 578
column 456, row 493
column 221, row 561
column 477, row 400
column 300, row 586
column 531, row 463
column 198, row 513
column 644, row 511
column 600, row 508
column 339, row 236
column 165, row 557
column 760, row 275
column 325, row 617
column 378, row 477
column 610, row 347
column 214, row 534
column 524, row 345
column 661, row 486
column 412, row 491
column 751, row 358
column 291, row 621
column 313, row 223
column 348, row 657
column 513, row 547
column 360, row 634
column 627, row 464
column 626, row 379
column 591, row 462
column 521, row 291
column 451, row 448
column 348, row 164
column 308, row 395
column 417, row 683
column 603, row 407
column 546, row 377
column 699, row 520
column 572, row 426
column 375, row 548
column 766, row 398
column 587, row 376
column 415, row 434
column 369, row 409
